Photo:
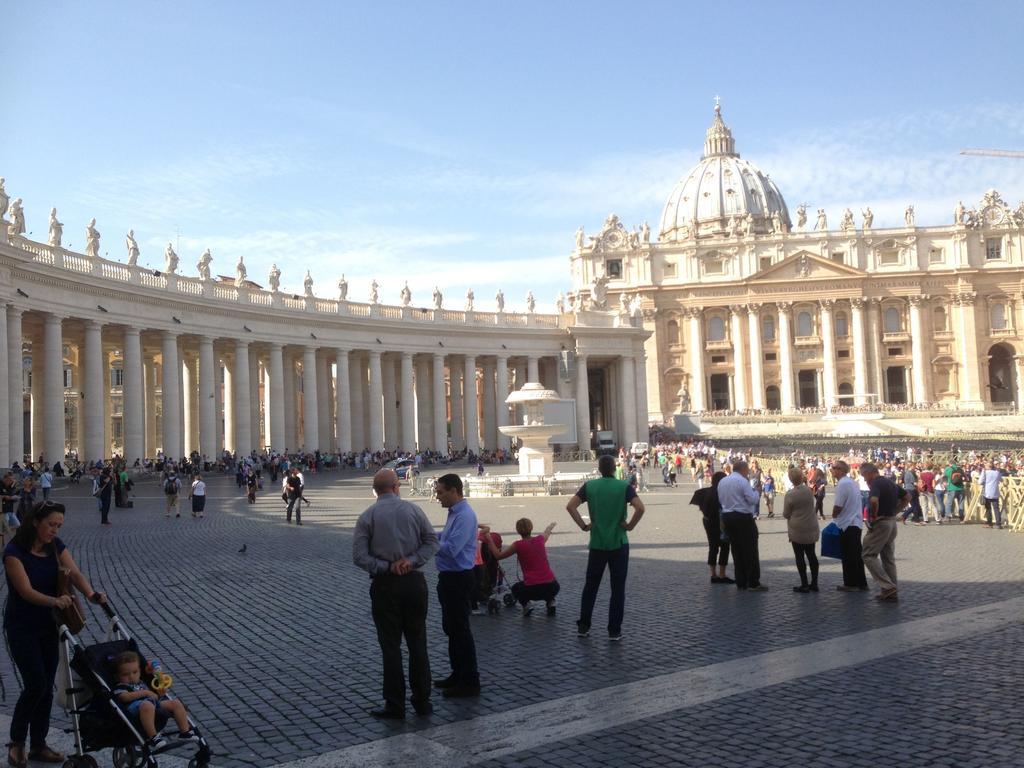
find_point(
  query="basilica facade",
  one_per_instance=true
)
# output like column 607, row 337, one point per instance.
column 753, row 306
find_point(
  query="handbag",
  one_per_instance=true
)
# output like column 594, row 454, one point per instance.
column 830, row 545
column 72, row 617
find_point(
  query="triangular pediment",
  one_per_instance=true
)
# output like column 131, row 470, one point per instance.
column 806, row 266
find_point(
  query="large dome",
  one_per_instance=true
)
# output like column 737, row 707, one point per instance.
column 723, row 194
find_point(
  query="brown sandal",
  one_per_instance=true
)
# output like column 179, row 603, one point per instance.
column 16, row 755
column 45, row 754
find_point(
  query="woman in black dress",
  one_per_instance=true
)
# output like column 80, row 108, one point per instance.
column 718, row 545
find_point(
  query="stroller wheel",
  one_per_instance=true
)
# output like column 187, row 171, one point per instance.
column 195, row 763
column 126, row 757
column 492, row 606
column 509, row 600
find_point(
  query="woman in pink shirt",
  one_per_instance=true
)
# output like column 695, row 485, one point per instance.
column 539, row 581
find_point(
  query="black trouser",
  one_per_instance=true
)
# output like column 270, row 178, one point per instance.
column 455, row 592
column 617, row 563
column 914, row 507
column 742, row 532
column 35, row 656
column 400, row 610
column 294, row 502
column 524, row 594
column 819, row 505
column 802, row 552
column 104, row 510
column 853, row 562
column 718, row 550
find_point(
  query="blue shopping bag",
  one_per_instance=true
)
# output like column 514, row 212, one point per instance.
column 830, row 546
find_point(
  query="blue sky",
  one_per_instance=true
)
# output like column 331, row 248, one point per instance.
column 461, row 144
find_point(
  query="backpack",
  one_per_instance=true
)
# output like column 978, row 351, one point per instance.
column 170, row 486
column 956, row 477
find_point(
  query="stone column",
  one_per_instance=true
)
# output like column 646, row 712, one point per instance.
column 966, row 334
column 627, row 384
column 37, row 437
column 739, row 358
column 310, row 417
column 15, row 386
column 756, row 358
column 455, row 398
column 132, row 391
column 787, row 397
column 387, row 371
column 5, row 396
column 501, row 409
column 859, row 353
column 582, row 404
column 697, row 400
column 470, row 400
column 642, row 410
column 275, row 397
column 343, row 402
column 356, row 383
column 207, row 399
column 149, row 409
column 229, row 405
column 376, row 405
column 919, row 347
column 53, row 391
column 170, row 389
column 874, row 348
column 241, row 392
column 407, row 403
column 189, row 387
column 828, row 346
column 254, row 400
column 218, row 403
column 533, row 369
column 288, row 404
column 424, row 405
column 490, row 436
column 1018, row 361
column 93, row 388
column 439, row 405
column 323, row 389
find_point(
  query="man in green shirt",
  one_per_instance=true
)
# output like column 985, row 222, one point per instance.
column 954, row 501
column 606, row 499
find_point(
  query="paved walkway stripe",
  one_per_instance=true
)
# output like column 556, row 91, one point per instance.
column 469, row 742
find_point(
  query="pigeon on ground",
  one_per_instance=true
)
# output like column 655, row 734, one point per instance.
column 242, row 550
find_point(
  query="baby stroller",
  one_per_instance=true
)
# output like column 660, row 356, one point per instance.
column 85, row 688
column 494, row 584
column 75, row 476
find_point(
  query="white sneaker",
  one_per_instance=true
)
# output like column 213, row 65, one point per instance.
column 527, row 610
column 157, row 744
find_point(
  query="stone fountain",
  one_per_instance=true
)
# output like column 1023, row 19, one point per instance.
column 536, row 456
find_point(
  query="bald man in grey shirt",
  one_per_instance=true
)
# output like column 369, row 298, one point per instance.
column 393, row 539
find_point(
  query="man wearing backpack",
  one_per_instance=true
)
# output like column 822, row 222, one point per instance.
column 172, row 487
column 954, row 492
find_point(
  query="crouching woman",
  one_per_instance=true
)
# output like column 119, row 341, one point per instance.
column 539, row 581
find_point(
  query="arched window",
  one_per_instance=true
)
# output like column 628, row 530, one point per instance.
column 998, row 314
column 672, row 332
column 804, row 324
column 939, row 319
column 892, row 320
column 768, row 328
column 716, row 328
column 842, row 325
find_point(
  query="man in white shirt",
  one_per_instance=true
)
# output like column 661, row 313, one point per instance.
column 990, row 480
column 739, row 506
column 848, row 513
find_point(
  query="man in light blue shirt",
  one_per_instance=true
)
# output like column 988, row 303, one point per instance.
column 990, row 480
column 456, row 583
column 739, row 506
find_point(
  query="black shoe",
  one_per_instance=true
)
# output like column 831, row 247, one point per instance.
column 461, row 691
column 717, row 580
column 813, row 587
column 582, row 630
column 726, row 580
column 551, row 608
column 386, row 713
column 423, row 710
column 445, row 682
column 803, row 589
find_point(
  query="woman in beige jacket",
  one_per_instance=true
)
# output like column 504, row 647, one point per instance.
column 798, row 509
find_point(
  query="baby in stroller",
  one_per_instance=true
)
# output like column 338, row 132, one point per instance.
column 142, row 703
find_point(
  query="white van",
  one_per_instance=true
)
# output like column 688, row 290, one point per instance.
column 639, row 449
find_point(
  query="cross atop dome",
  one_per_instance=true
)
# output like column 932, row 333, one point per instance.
column 718, row 141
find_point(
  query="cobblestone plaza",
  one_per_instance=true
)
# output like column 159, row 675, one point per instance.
column 274, row 648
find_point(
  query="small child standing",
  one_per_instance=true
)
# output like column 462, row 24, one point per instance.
column 142, row 703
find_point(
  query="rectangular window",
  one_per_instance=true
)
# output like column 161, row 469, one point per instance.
column 993, row 248
column 889, row 256
column 714, row 267
column 718, row 358
column 670, row 269
column 116, row 377
column 770, row 357
column 935, row 256
column 613, row 268
column 67, row 378
column 115, row 428
column 895, row 351
column 838, row 256
column 766, row 261
column 843, row 353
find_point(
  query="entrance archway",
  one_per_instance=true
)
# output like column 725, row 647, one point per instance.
column 720, row 392
column 896, row 385
column 846, row 393
column 807, row 382
column 1002, row 379
column 772, row 398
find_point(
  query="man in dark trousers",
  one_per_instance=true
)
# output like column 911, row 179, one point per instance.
column 606, row 499
column 294, row 494
column 393, row 540
column 456, row 583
